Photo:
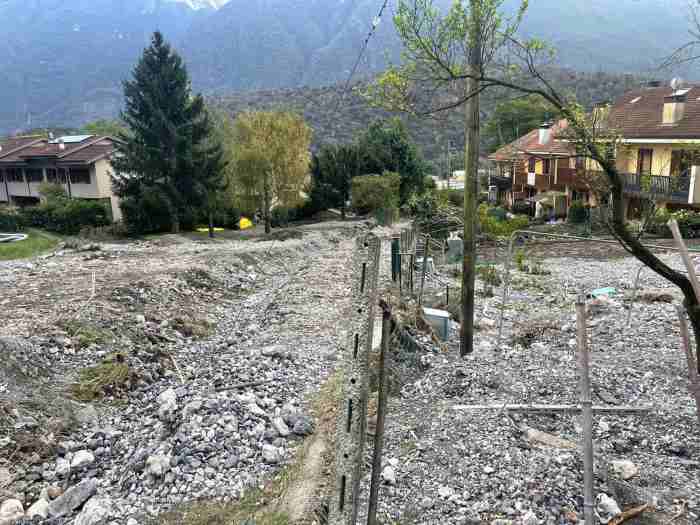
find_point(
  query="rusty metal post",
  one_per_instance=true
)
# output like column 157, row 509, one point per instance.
column 587, row 409
column 693, row 376
column 352, row 413
column 382, row 399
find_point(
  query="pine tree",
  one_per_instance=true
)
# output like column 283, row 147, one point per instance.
column 164, row 148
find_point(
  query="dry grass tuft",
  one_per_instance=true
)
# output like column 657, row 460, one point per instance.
column 109, row 377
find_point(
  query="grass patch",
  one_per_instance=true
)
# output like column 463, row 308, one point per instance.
column 109, row 377
column 247, row 511
column 84, row 335
column 37, row 243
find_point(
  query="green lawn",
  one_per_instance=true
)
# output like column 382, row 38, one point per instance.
column 37, row 243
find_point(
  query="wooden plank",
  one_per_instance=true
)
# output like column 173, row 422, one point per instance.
column 673, row 226
column 556, row 409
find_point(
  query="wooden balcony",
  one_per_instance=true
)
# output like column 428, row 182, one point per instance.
column 502, row 183
column 566, row 176
column 657, row 187
column 520, row 179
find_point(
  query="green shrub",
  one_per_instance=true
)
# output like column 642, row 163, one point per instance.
column 577, row 213
column 522, row 208
column 11, row 221
column 688, row 223
column 454, row 197
column 65, row 216
column 497, row 213
column 279, row 217
column 147, row 213
column 494, row 222
column 372, row 192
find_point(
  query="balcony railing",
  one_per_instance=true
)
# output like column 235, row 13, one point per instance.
column 502, row 183
column 657, row 186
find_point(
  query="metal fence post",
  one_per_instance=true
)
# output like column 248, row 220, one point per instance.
column 587, row 409
column 352, row 414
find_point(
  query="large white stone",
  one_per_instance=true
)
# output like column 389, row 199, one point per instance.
column 10, row 511
column 388, row 475
column 82, row 459
column 157, row 465
column 95, row 512
column 281, row 427
column 624, row 469
column 40, row 509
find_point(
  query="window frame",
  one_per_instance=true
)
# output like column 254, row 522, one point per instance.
column 77, row 178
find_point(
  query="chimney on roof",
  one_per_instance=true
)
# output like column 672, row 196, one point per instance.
column 674, row 104
column 545, row 132
column 61, row 145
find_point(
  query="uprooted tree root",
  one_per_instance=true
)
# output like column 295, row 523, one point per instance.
column 111, row 377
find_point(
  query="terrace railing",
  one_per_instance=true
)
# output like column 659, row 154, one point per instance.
column 674, row 189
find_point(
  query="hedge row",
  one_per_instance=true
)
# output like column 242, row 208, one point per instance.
column 64, row 216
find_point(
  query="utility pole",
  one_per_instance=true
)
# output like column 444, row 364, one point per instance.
column 471, row 178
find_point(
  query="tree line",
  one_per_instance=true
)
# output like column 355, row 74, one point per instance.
column 179, row 162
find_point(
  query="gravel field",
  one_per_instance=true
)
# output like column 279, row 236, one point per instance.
column 204, row 416
column 226, row 342
column 450, row 465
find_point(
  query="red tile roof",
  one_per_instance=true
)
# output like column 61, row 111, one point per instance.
column 529, row 144
column 639, row 114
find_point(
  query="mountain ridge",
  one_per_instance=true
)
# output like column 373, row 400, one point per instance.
column 63, row 63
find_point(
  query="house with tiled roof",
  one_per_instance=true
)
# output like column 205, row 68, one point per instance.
column 542, row 169
column 659, row 134
column 79, row 163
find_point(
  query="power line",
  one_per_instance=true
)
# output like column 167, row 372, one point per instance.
column 365, row 44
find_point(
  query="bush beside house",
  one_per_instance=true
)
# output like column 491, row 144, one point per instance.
column 57, row 213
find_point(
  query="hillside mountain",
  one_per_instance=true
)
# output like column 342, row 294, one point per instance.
column 341, row 123
column 62, row 61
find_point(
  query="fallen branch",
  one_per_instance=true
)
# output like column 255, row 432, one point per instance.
column 629, row 514
column 680, row 514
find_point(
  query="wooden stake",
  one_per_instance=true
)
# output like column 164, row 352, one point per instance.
column 557, row 409
column 587, row 406
column 426, row 251
column 673, row 226
column 382, row 398
column 693, row 375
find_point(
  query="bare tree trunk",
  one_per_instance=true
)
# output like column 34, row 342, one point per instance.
column 471, row 179
column 211, row 223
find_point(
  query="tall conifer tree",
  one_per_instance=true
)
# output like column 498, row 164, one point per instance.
column 166, row 148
